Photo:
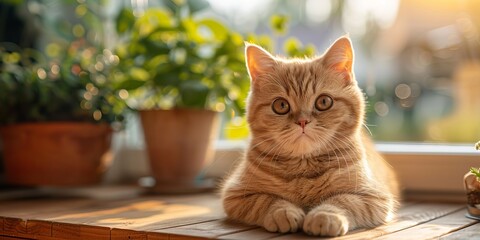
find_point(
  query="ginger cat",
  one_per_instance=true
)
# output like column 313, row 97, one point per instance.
column 309, row 165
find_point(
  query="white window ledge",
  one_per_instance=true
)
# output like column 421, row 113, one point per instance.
column 424, row 170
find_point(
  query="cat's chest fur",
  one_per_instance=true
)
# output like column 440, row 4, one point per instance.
column 303, row 183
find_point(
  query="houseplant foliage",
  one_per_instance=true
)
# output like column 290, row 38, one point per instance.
column 174, row 60
column 179, row 71
column 472, row 187
column 58, row 110
column 33, row 89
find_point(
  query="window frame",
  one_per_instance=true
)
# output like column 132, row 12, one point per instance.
column 425, row 171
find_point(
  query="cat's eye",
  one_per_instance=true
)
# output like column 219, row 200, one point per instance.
column 280, row 106
column 323, row 102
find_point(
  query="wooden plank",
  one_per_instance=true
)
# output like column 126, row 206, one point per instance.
column 257, row 233
column 212, row 229
column 133, row 214
column 435, row 228
column 120, row 234
column 143, row 214
column 11, row 238
column 184, row 211
column 180, row 237
column 73, row 231
column 471, row 232
column 40, row 228
column 2, row 220
column 29, row 207
column 14, row 225
column 407, row 217
column 157, row 236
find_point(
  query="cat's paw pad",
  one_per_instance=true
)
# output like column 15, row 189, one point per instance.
column 325, row 224
column 285, row 219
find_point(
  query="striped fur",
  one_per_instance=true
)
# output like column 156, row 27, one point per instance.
column 326, row 181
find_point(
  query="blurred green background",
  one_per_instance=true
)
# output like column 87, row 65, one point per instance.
column 417, row 61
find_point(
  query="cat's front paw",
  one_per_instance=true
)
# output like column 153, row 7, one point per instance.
column 284, row 219
column 318, row 222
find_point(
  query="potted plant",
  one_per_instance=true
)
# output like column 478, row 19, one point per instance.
column 472, row 187
column 180, row 71
column 58, row 108
column 56, row 116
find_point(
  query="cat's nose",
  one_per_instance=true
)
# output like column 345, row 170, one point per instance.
column 302, row 122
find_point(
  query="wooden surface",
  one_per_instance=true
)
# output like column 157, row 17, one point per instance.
column 126, row 213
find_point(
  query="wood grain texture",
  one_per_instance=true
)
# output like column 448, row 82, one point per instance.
column 14, row 225
column 471, row 232
column 72, row 231
column 212, row 229
column 198, row 216
column 12, row 238
column 408, row 216
column 435, row 228
column 39, row 227
column 120, row 234
column 183, row 237
column 157, row 236
column 257, row 233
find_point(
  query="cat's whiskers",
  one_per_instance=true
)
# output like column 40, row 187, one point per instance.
column 350, row 147
column 274, row 161
column 259, row 155
column 367, row 128
column 277, row 146
column 261, row 142
column 324, row 143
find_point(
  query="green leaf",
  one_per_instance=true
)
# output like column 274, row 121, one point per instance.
column 294, row 48
column 139, row 74
column 152, row 19
column 125, row 20
column 13, row 2
column 218, row 30
column 130, row 84
column 475, row 171
column 278, row 23
column 194, row 94
column 191, row 29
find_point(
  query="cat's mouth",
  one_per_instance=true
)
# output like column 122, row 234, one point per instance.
column 304, row 136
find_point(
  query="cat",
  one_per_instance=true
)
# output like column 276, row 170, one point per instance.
column 309, row 164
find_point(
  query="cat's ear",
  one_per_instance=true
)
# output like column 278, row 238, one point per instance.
column 258, row 61
column 339, row 57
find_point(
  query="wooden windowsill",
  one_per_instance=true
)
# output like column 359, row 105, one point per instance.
column 126, row 213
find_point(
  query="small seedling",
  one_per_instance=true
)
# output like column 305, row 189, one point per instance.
column 475, row 171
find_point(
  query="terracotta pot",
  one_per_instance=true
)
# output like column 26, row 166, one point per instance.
column 56, row 154
column 472, row 187
column 179, row 143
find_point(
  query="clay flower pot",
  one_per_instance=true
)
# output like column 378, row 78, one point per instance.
column 472, row 187
column 56, row 154
column 179, row 144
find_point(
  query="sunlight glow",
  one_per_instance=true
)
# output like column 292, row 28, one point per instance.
column 318, row 10
column 244, row 14
column 356, row 15
column 145, row 213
